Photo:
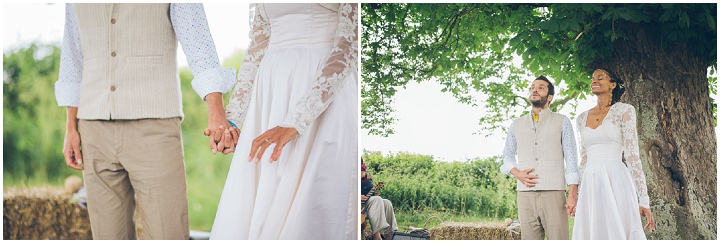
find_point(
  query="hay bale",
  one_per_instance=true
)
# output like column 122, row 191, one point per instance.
column 472, row 231
column 43, row 214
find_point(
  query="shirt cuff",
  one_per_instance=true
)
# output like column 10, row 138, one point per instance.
column 214, row 80
column 506, row 168
column 67, row 93
column 572, row 178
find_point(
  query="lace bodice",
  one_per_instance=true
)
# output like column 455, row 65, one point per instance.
column 621, row 128
column 291, row 26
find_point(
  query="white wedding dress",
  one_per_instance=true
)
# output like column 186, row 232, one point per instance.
column 300, row 71
column 607, row 207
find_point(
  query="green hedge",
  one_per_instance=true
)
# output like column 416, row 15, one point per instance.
column 416, row 182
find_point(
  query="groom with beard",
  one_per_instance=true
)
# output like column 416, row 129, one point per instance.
column 544, row 144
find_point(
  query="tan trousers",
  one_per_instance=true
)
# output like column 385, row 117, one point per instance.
column 542, row 213
column 380, row 213
column 129, row 160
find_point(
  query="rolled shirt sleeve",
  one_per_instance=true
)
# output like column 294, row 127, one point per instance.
column 193, row 33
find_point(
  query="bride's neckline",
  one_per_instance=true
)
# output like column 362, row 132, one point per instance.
column 587, row 114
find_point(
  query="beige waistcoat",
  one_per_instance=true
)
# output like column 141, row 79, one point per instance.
column 129, row 62
column 541, row 149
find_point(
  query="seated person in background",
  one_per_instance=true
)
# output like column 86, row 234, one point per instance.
column 378, row 210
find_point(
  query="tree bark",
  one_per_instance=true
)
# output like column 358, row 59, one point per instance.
column 669, row 88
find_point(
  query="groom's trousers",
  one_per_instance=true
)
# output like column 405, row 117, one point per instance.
column 134, row 170
column 542, row 213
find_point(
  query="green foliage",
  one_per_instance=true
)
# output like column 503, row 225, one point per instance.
column 33, row 125
column 34, row 129
column 418, row 183
column 496, row 48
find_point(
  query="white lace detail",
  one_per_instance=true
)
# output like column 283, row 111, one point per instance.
column 623, row 115
column 628, row 125
column 583, row 154
column 331, row 78
column 260, row 37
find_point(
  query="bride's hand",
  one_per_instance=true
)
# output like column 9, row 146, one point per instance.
column 650, row 220
column 277, row 135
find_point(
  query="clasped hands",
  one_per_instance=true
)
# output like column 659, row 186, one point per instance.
column 224, row 138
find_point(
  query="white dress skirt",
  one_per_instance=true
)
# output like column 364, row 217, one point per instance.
column 311, row 191
column 608, row 206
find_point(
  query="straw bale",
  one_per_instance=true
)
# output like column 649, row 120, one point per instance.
column 472, row 231
column 44, row 213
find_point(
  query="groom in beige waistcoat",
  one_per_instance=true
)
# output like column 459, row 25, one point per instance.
column 544, row 144
column 119, row 81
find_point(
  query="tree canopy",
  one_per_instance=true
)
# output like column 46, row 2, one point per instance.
column 493, row 48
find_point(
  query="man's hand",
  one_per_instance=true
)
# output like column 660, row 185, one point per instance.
column 71, row 149
column 223, row 137
column 363, row 198
column 524, row 176
column 571, row 203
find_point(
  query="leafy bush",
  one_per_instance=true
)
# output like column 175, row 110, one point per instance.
column 416, row 182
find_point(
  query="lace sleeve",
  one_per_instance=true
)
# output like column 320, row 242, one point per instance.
column 331, row 78
column 632, row 154
column 581, row 120
column 259, row 39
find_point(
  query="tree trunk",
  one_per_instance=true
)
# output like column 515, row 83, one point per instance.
column 669, row 89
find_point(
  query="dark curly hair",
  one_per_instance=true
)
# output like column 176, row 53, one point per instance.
column 619, row 88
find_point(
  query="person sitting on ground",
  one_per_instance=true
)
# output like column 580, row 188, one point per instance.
column 378, row 210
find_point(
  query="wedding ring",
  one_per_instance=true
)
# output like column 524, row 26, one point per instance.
column 268, row 141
